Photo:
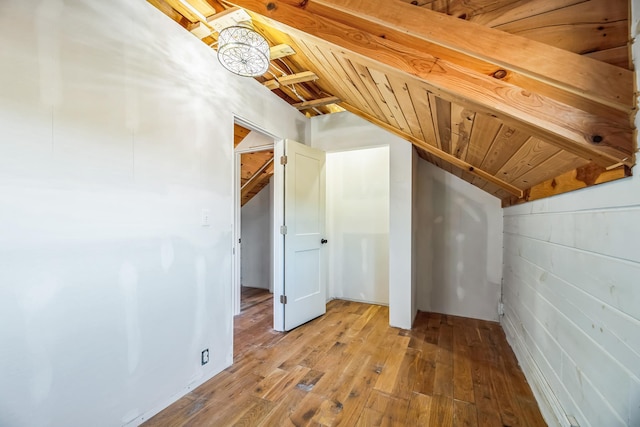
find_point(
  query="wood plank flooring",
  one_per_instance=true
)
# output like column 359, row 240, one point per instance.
column 350, row 368
column 252, row 296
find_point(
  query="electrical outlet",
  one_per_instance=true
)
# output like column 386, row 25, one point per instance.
column 206, row 214
column 204, row 357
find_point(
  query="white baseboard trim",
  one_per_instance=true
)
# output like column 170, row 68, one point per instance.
column 550, row 407
column 165, row 404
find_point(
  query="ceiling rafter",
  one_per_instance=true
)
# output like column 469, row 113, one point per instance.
column 605, row 140
column 486, row 124
column 447, row 38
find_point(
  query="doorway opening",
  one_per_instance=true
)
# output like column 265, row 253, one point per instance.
column 253, row 212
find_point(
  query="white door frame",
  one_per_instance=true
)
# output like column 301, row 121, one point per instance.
column 278, row 237
column 236, row 271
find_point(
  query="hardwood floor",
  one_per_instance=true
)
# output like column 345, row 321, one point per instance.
column 350, row 368
column 252, row 296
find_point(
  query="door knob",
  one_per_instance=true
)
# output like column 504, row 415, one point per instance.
column 323, row 241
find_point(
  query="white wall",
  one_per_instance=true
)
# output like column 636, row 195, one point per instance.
column 256, row 226
column 358, row 224
column 572, row 299
column 116, row 131
column 345, row 131
column 415, row 229
column 459, row 246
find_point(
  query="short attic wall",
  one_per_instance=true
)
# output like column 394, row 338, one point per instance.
column 458, row 248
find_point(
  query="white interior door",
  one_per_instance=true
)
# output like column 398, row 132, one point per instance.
column 304, row 219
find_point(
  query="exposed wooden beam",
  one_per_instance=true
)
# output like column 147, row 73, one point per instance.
column 203, row 7
column 438, row 153
column 200, row 30
column 304, row 76
column 271, row 84
column 604, row 140
column 264, row 172
column 582, row 177
column 317, row 103
column 459, row 41
column 168, row 10
column 280, row 51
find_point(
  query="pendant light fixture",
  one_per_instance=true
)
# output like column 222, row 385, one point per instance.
column 242, row 50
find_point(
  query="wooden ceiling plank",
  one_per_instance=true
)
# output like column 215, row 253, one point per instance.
column 582, row 177
column 555, row 165
column 484, row 132
column 403, row 95
column 507, row 142
column 420, row 99
column 447, row 132
column 558, row 123
column 442, row 118
column 462, row 120
column 303, row 60
column 465, row 9
column 436, row 111
column 580, row 38
column 602, row 25
column 509, row 51
column 370, row 104
column 520, row 9
column 389, row 98
column 337, row 75
column 367, row 80
column 438, row 153
column 528, row 157
column 618, row 56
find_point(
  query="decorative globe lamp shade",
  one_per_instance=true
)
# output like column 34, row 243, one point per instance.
column 243, row 51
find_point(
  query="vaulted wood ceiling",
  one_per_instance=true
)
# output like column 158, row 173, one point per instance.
column 522, row 98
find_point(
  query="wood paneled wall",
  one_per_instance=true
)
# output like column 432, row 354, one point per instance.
column 572, row 298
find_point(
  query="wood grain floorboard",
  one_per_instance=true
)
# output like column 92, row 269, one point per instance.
column 350, row 368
